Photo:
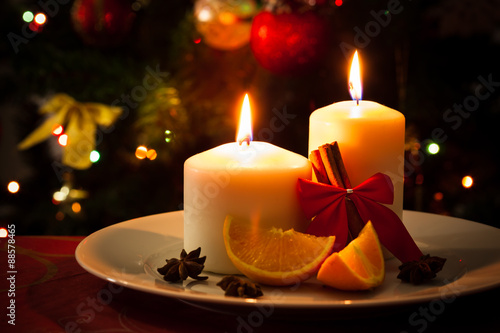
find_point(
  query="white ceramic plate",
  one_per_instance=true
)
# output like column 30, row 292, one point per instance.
column 129, row 253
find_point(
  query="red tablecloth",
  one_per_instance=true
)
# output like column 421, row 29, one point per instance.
column 52, row 293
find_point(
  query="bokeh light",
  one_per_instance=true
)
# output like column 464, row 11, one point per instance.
column 40, row 18
column 419, row 179
column 169, row 136
column 57, row 130
column 28, row 16
column 467, row 181
column 76, row 207
column 13, row 187
column 141, row 152
column 94, row 156
column 151, row 154
column 227, row 18
column 63, row 140
column 205, row 14
column 433, row 148
column 438, row 196
column 60, row 195
column 3, row 233
column 34, row 27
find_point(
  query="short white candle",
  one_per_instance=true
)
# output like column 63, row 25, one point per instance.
column 253, row 180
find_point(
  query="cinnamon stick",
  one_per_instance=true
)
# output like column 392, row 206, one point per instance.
column 354, row 221
column 333, row 166
column 318, row 167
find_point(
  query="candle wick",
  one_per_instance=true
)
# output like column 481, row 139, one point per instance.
column 245, row 139
column 357, row 101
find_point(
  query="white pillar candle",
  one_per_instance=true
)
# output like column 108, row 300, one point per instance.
column 255, row 181
column 371, row 138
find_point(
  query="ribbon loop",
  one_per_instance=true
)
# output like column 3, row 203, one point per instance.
column 326, row 204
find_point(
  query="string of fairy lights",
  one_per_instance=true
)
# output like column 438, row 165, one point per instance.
column 36, row 21
column 142, row 152
column 68, row 195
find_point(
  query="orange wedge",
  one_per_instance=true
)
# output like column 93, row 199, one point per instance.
column 274, row 257
column 359, row 266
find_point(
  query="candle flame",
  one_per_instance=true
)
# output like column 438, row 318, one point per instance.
column 355, row 79
column 245, row 125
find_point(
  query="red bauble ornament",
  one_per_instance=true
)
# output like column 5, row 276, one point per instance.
column 289, row 44
column 102, row 22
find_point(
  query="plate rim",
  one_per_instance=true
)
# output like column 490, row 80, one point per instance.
column 221, row 300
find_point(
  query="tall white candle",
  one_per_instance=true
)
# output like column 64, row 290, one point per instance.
column 253, row 180
column 371, row 138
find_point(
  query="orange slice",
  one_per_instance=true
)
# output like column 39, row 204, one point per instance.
column 359, row 266
column 274, row 257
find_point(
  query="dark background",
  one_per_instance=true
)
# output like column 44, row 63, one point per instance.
column 430, row 58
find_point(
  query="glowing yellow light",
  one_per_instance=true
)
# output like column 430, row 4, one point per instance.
column 467, row 181
column 3, row 233
column 355, row 87
column 57, row 130
column 58, row 196
column 176, row 100
column 61, row 195
column 151, row 154
column 245, row 125
column 76, row 207
column 63, row 140
column 433, row 148
column 205, row 15
column 40, row 18
column 13, row 187
column 65, row 190
column 141, row 152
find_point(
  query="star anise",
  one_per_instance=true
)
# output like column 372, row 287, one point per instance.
column 420, row 271
column 188, row 265
column 235, row 286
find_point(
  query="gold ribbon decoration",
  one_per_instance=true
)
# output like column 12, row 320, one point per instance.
column 80, row 122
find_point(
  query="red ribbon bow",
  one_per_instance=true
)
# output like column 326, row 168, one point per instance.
column 327, row 204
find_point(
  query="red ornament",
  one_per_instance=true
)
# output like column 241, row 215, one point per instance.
column 290, row 43
column 102, row 22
